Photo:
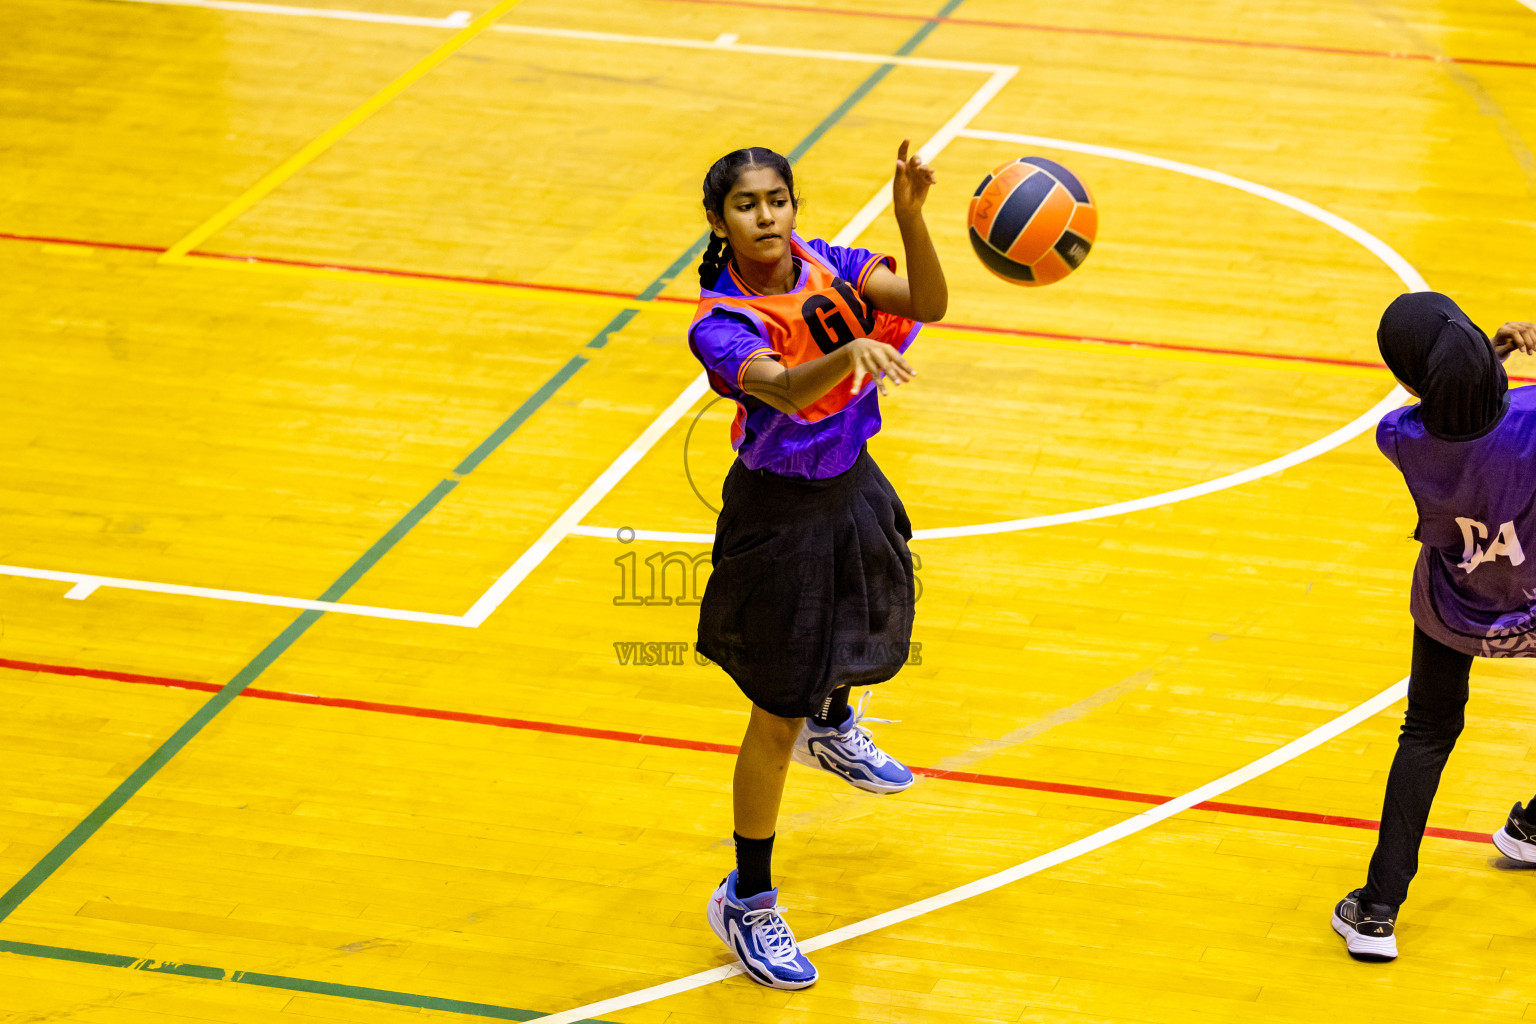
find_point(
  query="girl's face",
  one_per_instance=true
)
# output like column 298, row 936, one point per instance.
column 758, row 216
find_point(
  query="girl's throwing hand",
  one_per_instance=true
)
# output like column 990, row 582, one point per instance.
column 913, row 178
column 879, row 361
column 1514, row 335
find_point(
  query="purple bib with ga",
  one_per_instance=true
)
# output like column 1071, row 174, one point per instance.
column 1474, row 589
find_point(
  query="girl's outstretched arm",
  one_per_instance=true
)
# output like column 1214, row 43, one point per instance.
column 791, row 390
column 922, row 295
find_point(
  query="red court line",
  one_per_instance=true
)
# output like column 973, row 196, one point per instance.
column 643, row 739
column 81, row 242
column 1248, row 810
column 426, row 276
column 1167, row 346
column 1129, row 343
column 381, row 271
column 1165, row 37
column 570, row 289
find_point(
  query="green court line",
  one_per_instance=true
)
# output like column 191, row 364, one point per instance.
column 77, row 836
column 694, row 251
column 55, row 858
column 615, row 325
column 277, row 981
column 389, row 540
column 520, row 415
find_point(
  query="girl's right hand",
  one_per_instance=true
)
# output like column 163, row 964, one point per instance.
column 878, row 361
column 1514, row 335
column 909, row 189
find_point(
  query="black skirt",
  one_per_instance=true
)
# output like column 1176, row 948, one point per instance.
column 812, row 585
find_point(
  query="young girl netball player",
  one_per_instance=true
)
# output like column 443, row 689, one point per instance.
column 1468, row 454
column 812, row 588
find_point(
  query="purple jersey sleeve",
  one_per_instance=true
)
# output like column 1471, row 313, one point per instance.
column 852, row 265
column 1386, row 435
column 725, row 343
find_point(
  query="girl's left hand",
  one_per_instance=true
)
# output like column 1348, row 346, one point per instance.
column 1514, row 335
column 913, row 178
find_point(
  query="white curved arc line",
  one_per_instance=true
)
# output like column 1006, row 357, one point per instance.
column 1145, row 820
column 1381, row 250
column 1346, row 433
column 1034, row 865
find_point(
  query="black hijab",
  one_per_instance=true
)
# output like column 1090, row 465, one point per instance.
column 1432, row 346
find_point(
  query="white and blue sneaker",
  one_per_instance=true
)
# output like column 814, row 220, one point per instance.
column 848, row 751
column 754, row 930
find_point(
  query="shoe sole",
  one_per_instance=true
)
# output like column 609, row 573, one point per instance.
column 1363, row 947
column 1513, row 848
column 717, row 925
column 717, row 922
column 802, row 756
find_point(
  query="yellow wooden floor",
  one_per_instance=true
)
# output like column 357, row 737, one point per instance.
column 271, row 427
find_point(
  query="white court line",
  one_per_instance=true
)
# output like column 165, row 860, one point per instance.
column 725, row 41
column 858, row 57
column 570, row 520
column 628, row 535
column 953, row 129
column 329, row 14
column 1344, row 434
column 1141, row 822
column 1381, row 250
column 1348, row 432
column 999, row 74
column 85, row 584
column 595, row 492
column 1162, row 812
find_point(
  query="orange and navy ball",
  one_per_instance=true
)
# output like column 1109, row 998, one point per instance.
column 1032, row 221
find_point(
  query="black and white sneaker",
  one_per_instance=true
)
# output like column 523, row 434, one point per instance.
column 1517, row 839
column 1369, row 929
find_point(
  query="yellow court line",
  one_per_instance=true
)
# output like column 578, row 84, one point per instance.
column 288, row 168
column 1256, row 361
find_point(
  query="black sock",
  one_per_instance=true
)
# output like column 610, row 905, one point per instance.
column 754, row 865
column 834, row 710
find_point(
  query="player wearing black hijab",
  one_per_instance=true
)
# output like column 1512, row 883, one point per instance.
column 1467, row 452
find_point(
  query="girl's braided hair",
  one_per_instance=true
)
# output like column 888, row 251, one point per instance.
column 718, row 183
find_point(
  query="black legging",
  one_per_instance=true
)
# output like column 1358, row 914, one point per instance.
column 1437, row 700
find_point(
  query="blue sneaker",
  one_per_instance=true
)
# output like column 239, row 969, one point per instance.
column 754, row 931
column 848, row 751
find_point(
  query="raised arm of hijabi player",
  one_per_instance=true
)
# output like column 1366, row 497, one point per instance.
column 1514, row 335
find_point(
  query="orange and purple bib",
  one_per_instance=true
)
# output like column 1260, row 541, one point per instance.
column 735, row 326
